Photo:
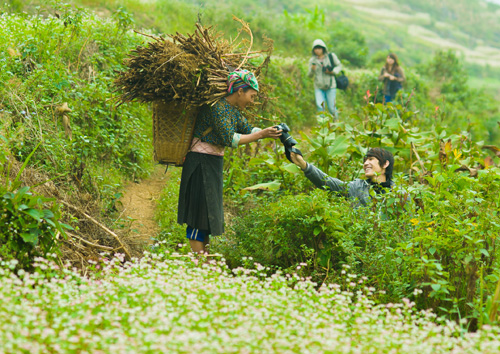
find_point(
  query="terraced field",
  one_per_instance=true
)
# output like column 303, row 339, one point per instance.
column 418, row 29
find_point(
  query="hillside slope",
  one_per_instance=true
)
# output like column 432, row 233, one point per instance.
column 471, row 28
column 415, row 29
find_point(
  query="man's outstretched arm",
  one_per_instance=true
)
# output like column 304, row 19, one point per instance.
column 318, row 177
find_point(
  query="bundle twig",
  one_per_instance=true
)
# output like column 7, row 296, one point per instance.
column 191, row 68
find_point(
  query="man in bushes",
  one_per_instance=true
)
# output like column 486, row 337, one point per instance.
column 378, row 165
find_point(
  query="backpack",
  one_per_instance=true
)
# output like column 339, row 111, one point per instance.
column 341, row 79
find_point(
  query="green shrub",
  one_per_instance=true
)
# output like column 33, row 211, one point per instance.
column 443, row 244
column 436, row 235
column 29, row 226
column 48, row 61
column 283, row 234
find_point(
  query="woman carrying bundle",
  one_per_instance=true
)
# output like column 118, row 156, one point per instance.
column 393, row 77
column 217, row 126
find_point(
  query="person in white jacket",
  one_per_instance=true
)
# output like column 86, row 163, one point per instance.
column 323, row 66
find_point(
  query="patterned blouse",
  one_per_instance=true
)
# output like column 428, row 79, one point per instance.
column 227, row 124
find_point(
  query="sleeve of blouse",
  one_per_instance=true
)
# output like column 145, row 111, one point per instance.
column 222, row 126
column 237, row 137
column 242, row 126
column 402, row 77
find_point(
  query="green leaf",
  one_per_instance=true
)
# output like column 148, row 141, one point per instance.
column 22, row 191
column 339, row 146
column 35, row 214
column 25, row 164
column 8, row 195
column 485, row 252
column 291, row 167
column 317, row 230
column 256, row 161
column 47, row 214
column 50, row 222
column 270, row 186
column 432, row 250
column 436, row 287
column 392, row 123
column 30, row 237
column 66, row 226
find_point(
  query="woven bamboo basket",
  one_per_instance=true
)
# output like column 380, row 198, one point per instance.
column 173, row 128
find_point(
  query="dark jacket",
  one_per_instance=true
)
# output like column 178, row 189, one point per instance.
column 391, row 87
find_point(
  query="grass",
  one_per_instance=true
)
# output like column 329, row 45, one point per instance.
column 491, row 85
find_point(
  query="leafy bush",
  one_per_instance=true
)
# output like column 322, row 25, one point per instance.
column 444, row 245
column 295, row 229
column 436, row 235
column 71, row 58
column 29, row 226
column 349, row 44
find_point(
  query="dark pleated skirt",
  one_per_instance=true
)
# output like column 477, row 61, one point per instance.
column 200, row 194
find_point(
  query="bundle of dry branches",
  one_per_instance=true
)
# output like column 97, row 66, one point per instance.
column 191, row 69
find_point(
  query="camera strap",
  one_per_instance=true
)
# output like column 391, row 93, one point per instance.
column 330, row 56
column 292, row 149
column 332, row 62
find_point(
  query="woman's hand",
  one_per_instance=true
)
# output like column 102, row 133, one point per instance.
column 270, row 132
column 298, row 160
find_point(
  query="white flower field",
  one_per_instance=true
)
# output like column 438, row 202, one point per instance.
column 172, row 304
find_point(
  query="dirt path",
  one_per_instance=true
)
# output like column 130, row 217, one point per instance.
column 139, row 202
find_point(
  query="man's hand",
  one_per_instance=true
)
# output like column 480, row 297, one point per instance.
column 298, row 160
column 313, row 66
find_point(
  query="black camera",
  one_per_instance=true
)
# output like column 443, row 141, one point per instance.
column 327, row 68
column 286, row 139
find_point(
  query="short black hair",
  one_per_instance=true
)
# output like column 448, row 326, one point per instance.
column 319, row 46
column 382, row 155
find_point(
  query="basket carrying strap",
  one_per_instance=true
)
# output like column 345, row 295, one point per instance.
column 204, row 134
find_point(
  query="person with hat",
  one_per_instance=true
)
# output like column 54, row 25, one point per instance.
column 217, row 127
column 377, row 165
column 323, row 66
